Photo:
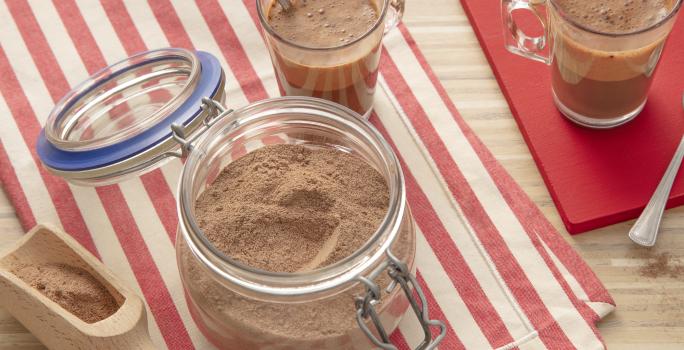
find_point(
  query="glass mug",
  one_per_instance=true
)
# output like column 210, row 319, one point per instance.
column 598, row 79
column 345, row 74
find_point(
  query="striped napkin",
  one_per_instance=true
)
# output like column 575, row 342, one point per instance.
column 492, row 266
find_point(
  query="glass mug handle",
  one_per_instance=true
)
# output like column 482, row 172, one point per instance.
column 515, row 40
column 394, row 14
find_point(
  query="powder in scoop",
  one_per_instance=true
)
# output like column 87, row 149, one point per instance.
column 73, row 288
column 288, row 208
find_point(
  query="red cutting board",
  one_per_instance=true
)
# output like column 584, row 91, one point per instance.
column 596, row 177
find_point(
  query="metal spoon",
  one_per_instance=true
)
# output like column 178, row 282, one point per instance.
column 645, row 229
column 285, row 4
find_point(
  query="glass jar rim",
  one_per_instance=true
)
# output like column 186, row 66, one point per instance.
column 271, row 31
column 585, row 28
column 336, row 276
column 63, row 110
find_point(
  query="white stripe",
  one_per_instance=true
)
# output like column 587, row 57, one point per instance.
column 454, row 307
column 105, row 37
column 411, row 330
column 24, row 68
column 148, row 27
column 201, row 37
column 572, row 282
column 25, row 168
column 248, row 35
column 555, row 299
column 533, row 342
column 172, row 172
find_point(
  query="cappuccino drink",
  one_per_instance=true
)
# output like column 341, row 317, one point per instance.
column 605, row 77
column 327, row 49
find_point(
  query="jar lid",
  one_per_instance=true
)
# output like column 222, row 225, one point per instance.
column 118, row 122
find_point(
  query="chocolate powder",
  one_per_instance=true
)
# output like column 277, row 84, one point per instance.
column 662, row 264
column 73, row 288
column 287, row 208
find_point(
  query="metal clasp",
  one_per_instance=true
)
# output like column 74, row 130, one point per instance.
column 213, row 112
column 365, row 306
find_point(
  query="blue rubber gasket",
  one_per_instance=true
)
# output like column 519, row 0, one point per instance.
column 207, row 86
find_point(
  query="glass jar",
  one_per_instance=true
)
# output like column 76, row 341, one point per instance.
column 239, row 307
column 352, row 304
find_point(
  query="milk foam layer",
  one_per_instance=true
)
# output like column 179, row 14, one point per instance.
column 616, row 16
column 323, row 23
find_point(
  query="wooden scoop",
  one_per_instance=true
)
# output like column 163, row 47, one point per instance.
column 56, row 327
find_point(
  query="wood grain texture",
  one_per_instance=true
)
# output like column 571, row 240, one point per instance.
column 650, row 312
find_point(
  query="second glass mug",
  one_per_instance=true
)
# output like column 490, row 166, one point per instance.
column 599, row 79
column 345, row 74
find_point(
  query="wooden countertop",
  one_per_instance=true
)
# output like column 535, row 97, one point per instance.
column 650, row 312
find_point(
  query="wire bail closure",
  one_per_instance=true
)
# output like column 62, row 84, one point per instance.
column 365, row 306
column 213, row 110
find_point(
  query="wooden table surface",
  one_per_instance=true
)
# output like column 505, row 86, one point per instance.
column 650, row 312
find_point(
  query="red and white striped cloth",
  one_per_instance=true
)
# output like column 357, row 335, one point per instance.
column 492, row 266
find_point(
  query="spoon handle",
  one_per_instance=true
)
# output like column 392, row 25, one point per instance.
column 285, row 4
column 645, row 229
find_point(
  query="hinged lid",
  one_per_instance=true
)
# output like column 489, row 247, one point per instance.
column 118, row 122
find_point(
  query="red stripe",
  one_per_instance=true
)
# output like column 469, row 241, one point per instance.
column 163, row 201
column 60, row 193
column 525, row 210
column 232, row 50
column 141, row 262
column 399, row 341
column 10, row 183
column 123, row 26
column 516, row 279
column 170, row 24
column 462, row 278
column 81, row 36
column 272, row 140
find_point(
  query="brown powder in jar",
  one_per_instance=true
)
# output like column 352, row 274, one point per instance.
column 73, row 288
column 287, row 208
column 291, row 208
